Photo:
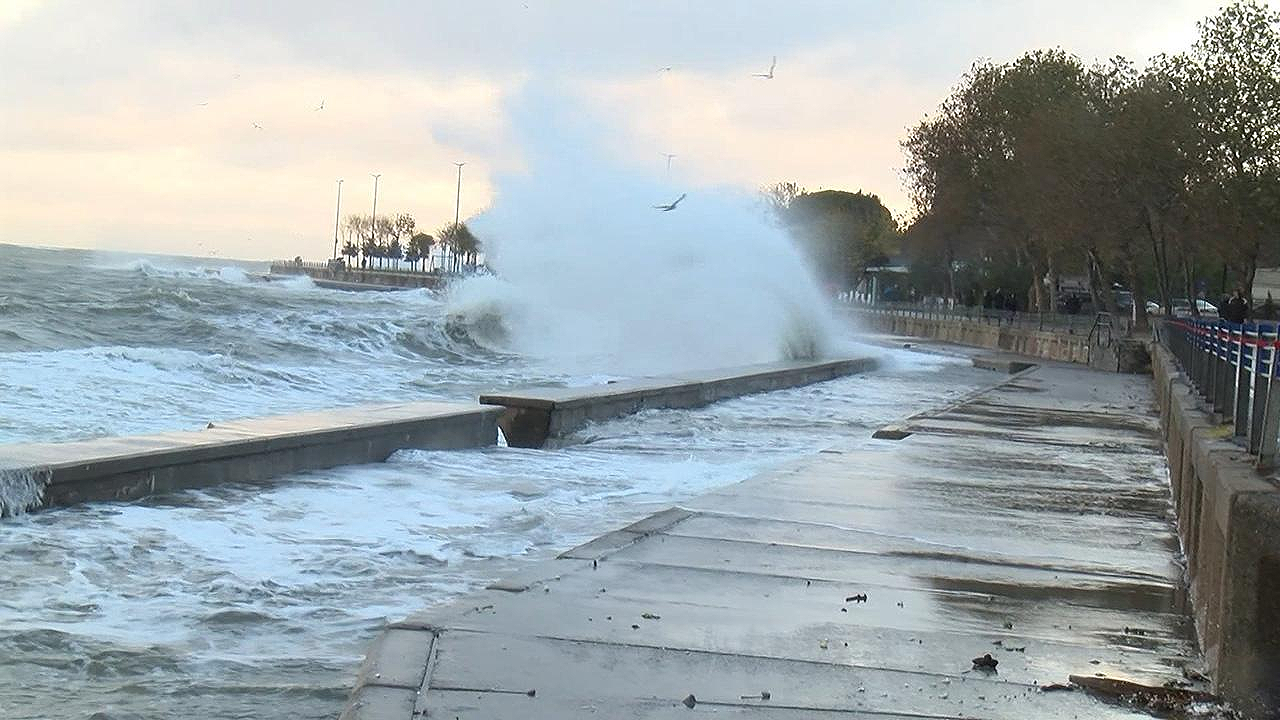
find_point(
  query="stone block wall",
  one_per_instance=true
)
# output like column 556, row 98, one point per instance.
column 1229, row 524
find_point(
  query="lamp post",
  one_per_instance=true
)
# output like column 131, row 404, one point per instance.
column 373, row 219
column 457, row 199
column 337, row 214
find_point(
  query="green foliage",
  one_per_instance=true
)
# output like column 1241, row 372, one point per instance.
column 463, row 246
column 1044, row 166
column 842, row 232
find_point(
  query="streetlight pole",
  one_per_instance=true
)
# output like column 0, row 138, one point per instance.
column 457, row 200
column 337, row 214
column 373, row 219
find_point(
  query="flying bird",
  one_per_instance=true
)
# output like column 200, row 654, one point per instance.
column 321, row 106
column 665, row 68
column 672, row 206
column 768, row 75
column 203, row 104
column 256, row 125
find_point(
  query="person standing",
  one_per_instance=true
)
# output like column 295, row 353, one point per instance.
column 1236, row 309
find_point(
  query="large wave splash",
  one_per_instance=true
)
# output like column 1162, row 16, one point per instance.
column 596, row 279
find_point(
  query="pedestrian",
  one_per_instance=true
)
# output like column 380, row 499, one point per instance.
column 1236, row 309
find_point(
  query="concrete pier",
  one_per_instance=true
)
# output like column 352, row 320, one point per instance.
column 340, row 277
column 534, row 415
column 1030, row 523
column 122, row 468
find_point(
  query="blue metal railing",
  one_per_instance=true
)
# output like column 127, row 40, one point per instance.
column 1234, row 367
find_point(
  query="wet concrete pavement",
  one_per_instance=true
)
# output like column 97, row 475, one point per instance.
column 1030, row 522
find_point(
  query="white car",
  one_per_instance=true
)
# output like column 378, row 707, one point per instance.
column 1182, row 308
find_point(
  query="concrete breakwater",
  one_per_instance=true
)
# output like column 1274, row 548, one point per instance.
column 534, row 415
column 35, row 475
column 340, row 277
column 1229, row 523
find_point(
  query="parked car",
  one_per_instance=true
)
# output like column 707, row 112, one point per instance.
column 1182, row 308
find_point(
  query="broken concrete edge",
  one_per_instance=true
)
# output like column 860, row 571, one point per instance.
column 1228, row 517
column 905, row 427
column 999, row 364
column 398, row 663
column 598, row 548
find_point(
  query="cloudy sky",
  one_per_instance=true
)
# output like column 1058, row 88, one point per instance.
column 130, row 124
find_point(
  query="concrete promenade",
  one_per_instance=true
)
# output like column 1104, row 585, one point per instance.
column 1030, row 522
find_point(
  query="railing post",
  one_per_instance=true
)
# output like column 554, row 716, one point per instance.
column 1226, row 391
column 1211, row 367
column 1263, row 370
column 1246, row 365
column 1201, row 357
column 1271, row 417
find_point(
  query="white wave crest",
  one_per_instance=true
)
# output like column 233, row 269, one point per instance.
column 22, row 489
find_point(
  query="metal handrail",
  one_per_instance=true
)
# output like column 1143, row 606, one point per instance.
column 1235, row 368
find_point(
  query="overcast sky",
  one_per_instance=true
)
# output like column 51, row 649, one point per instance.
column 130, row 124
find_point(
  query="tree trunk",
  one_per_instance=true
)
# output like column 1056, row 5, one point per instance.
column 1160, row 254
column 1054, row 279
column 1188, row 279
column 1102, row 290
column 1140, row 323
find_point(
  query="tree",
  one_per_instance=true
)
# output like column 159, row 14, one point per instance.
column 395, row 252
column 355, row 227
column 462, row 244
column 778, row 197
column 420, row 246
column 1234, row 92
column 350, row 250
column 1041, row 166
column 843, row 233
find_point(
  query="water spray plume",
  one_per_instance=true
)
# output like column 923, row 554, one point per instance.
column 592, row 278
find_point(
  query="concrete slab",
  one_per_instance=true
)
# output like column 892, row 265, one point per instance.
column 534, row 415
column 861, row 582
column 1008, row 364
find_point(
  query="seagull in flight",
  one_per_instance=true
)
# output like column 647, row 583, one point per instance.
column 672, row 206
column 320, row 107
column 204, row 104
column 768, row 75
column 665, row 68
column 256, row 125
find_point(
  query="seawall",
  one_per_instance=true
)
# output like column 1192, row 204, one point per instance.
column 532, row 416
column 1046, row 344
column 342, row 278
column 36, row 475
column 1081, row 345
column 1229, row 524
